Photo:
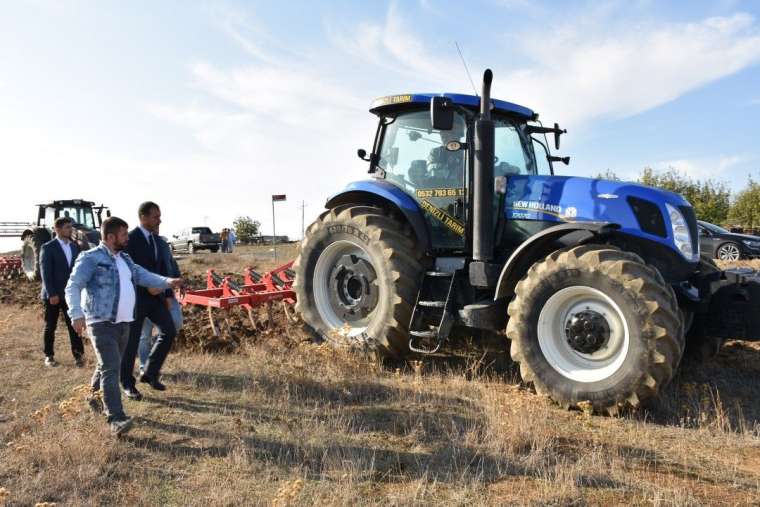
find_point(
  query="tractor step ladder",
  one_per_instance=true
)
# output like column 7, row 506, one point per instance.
column 432, row 317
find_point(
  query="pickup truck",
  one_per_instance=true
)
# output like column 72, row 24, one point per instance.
column 195, row 238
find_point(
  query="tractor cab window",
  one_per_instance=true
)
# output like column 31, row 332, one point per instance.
column 81, row 216
column 414, row 155
column 510, row 157
column 542, row 158
column 430, row 166
column 49, row 219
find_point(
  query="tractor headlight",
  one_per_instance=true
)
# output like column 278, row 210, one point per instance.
column 750, row 243
column 681, row 233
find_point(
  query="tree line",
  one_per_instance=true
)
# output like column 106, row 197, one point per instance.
column 713, row 201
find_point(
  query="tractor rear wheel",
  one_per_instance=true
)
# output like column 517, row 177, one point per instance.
column 357, row 277
column 594, row 324
column 30, row 252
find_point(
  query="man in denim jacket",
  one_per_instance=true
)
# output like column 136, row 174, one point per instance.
column 108, row 278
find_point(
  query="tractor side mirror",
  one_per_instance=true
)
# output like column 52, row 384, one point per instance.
column 108, row 213
column 441, row 113
column 558, row 132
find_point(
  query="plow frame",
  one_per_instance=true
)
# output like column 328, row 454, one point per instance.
column 258, row 290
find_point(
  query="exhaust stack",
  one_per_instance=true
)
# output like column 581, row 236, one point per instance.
column 482, row 229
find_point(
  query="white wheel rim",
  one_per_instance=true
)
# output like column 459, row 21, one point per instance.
column 27, row 259
column 321, row 288
column 729, row 253
column 553, row 340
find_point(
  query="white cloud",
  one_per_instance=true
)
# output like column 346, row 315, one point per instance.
column 394, row 45
column 582, row 72
column 716, row 168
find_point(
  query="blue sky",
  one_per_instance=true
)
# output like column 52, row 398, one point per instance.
column 211, row 107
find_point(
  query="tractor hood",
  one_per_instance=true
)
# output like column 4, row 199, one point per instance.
column 638, row 210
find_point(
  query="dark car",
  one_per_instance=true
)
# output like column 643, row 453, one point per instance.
column 725, row 245
column 195, row 238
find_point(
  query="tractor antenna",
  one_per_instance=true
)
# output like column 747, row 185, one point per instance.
column 466, row 69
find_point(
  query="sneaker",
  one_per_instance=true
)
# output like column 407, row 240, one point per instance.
column 121, row 426
column 79, row 361
column 132, row 393
column 50, row 362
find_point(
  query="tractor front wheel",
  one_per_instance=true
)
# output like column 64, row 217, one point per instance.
column 30, row 252
column 595, row 324
column 357, row 277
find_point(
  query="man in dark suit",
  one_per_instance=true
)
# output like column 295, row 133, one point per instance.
column 145, row 250
column 57, row 257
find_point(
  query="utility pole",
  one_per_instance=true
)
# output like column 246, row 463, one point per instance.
column 275, row 198
column 303, row 231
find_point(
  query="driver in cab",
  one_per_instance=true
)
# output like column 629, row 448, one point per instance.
column 448, row 165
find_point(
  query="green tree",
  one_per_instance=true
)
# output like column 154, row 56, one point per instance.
column 608, row 175
column 745, row 210
column 246, row 228
column 711, row 199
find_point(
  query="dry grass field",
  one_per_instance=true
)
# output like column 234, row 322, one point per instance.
column 283, row 421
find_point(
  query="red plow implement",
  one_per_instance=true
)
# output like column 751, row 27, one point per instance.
column 10, row 266
column 259, row 291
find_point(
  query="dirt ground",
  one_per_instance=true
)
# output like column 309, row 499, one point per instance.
column 279, row 420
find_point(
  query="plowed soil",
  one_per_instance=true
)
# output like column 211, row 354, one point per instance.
column 19, row 291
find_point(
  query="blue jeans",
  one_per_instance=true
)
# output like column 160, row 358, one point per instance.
column 146, row 337
column 109, row 341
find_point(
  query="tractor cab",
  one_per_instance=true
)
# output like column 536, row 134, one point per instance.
column 87, row 219
column 433, row 164
column 84, row 213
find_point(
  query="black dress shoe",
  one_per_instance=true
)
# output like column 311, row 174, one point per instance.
column 132, row 393
column 153, row 382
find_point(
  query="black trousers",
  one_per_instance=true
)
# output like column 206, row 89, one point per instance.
column 51, row 323
column 156, row 311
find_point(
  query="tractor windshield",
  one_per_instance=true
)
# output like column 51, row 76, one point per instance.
column 80, row 216
column 414, row 155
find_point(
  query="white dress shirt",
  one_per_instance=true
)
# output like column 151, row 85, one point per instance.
column 126, row 310
column 66, row 247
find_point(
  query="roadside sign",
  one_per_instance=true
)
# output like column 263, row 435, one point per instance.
column 279, row 197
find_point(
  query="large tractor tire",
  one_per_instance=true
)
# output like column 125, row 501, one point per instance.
column 594, row 324
column 30, row 252
column 357, row 277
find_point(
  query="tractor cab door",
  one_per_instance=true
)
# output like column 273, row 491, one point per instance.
column 514, row 156
column 431, row 166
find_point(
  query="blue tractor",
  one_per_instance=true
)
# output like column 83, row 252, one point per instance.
column 597, row 284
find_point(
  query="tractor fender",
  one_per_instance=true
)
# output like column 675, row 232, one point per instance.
column 541, row 244
column 383, row 193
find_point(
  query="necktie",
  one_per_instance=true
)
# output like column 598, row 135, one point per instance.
column 152, row 244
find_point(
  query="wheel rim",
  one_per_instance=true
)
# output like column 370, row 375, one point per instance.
column 27, row 259
column 729, row 253
column 570, row 352
column 346, row 290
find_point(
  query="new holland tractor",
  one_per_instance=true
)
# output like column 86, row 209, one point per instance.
column 597, row 284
